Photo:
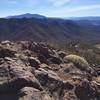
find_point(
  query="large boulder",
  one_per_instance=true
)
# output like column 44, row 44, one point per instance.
column 15, row 76
column 42, row 49
column 29, row 93
column 5, row 52
column 52, row 82
column 45, row 77
column 85, row 91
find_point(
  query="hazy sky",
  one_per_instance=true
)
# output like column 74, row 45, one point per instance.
column 52, row 8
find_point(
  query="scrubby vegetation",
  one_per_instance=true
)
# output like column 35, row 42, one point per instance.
column 87, row 50
column 77, row 60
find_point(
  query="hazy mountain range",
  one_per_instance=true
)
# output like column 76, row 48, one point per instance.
column 40, row 28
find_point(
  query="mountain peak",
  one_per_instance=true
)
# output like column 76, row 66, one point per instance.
column 27, row 15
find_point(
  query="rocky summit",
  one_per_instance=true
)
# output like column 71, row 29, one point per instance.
column 37, row 71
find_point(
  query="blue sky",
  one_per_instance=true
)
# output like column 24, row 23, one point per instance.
column 51, row 8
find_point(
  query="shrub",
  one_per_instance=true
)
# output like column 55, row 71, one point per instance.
column 79, row 62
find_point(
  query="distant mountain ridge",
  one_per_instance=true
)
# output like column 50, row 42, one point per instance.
column 29, row 15
column 92, row 18
column 40, row 28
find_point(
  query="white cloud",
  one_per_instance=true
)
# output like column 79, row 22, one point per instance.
column 58, row 3
column 65, row 10
column 82, row 8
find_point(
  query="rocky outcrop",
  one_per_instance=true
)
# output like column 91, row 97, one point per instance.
column 29, row 93
column 36, row 71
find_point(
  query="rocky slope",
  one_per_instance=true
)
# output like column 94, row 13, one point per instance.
column 36, row 71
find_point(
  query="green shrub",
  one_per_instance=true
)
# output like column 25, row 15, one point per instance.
column 79, row 62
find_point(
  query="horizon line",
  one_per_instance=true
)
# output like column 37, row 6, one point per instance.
column 49, row 16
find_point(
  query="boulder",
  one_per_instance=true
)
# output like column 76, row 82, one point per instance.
column 50, row 81
column 43, row 59
column 4, row 52
column 34, row 62
column 55, row 60
column 42, row 49
column 15, row 76
column 85, row 91
column 29, row 93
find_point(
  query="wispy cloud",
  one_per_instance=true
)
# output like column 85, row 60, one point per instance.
column 58, row 3
column 82, row 8
column 57, row 8
column 65, row 10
